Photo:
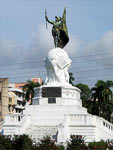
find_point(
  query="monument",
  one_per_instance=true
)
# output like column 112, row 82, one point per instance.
column 57, row 108
column 57, row 61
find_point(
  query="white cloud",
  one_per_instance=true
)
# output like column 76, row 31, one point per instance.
column 42, row 42
column 10, row 51
column 103, row 46
column 42, row 37
column 74, row 45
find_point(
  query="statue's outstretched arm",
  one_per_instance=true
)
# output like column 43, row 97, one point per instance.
column 49, row 20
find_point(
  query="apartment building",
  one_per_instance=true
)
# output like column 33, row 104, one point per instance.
column 16, row 96
column 16, row 101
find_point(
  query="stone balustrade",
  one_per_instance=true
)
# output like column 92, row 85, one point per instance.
column 88, row 119
column 13, row 118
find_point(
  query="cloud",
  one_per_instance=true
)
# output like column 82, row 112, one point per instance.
column 97, row 61
column 42, row 42
column 74, row 45
column 104, row 44
column 103, row 47
column 10, row 51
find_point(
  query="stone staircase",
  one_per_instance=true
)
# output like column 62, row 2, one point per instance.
column 37, row 132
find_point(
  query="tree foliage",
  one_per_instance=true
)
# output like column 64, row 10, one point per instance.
column 101, row 145
column 99, row 99
column 85, row 94
column 102, row 99
column 5, row 143
column 29, row 89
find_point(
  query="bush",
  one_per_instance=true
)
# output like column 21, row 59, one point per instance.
column 47, row 144
column 5, row 143
column 60, row 147
column 102, row 145
column 76, row 143
column 21, row 142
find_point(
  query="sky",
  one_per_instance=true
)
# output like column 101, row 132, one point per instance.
column 25, row 41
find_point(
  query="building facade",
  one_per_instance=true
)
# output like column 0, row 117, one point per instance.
column 21, row 84
column 4, row 98
column 16, row 101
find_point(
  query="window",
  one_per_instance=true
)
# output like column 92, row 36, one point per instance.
column 10, row 99
column 51, row 100
column 19, row 94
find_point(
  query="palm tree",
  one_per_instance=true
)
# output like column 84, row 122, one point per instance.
column 29, row 90
column 102, row 97
column 85, row 94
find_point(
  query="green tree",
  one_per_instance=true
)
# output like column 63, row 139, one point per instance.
column 102, row 98
column 85, row 94
column 29, row 89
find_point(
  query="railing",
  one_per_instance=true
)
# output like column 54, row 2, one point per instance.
column 88, row 119
column 13, row 118
column 17, row 123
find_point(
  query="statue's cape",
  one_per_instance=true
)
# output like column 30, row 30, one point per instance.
column 64, row 39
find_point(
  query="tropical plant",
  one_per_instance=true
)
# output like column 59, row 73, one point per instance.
column 76, row 143
column 29, row 90
column 85, row 94
column 102, row 97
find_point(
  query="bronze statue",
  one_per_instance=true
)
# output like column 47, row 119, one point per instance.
column 59, row 30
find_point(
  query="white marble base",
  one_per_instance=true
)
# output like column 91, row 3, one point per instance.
column 60, row 120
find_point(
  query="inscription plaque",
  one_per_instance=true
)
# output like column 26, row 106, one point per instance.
column 51, row 92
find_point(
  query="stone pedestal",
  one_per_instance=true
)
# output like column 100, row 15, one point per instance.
column 58, row 95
